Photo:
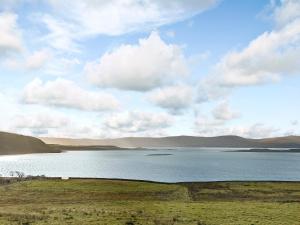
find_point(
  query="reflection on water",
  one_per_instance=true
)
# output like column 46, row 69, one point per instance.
column 167, row 165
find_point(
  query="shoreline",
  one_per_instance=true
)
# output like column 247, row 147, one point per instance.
column 63, row 149
column 149, row 181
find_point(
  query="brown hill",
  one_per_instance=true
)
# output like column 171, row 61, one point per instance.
column 288, row 141
column 11, row 144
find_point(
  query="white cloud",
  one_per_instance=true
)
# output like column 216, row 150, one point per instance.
column 210, row 89
column 258, row 130
column 10, row 35
column 70, row 21
column 266, row 58
column 44, row 60
column 33, row 61
column 37, row 59
column 137, row 122
column 8, row 105
column 52, row 123
column 223, row 112
column 61, row 34
column 206, row 127
column 141, row 67
column 65, row 93
column 286, row 12
column 76, row 130
column 173, row 98
column 40, row 121
column 117, row 17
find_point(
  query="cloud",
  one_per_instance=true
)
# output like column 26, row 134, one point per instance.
column 294, row 122
column 258, row 130
column 173, row 98
column 141, row 67
column 137, row 122
column 61, row 34
column 286, row 12
column 116, row 17
column 211, row 89
column 37, row 59
column 65, row 93
column 34, row 61
column 216, row 123
column 265, row 59
column 223, row 112
column 10, row 35
column 43, row 60
column 206, row 127
column 40, row 121
column 76, row 130
column 69, row 22
column 52, row 123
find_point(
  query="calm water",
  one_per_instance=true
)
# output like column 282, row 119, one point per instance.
column 171, row 166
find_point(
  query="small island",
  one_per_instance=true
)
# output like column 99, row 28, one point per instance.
column 85, row 147
column 292, row 150
column 159, row 154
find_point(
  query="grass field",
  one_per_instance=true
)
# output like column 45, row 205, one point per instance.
column 88, row 201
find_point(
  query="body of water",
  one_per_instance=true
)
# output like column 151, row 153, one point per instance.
column 159, row 165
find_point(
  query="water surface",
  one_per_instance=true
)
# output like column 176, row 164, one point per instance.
column 171, row 166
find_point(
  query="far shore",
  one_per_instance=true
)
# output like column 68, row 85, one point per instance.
column 65, row 148
column 267, row 150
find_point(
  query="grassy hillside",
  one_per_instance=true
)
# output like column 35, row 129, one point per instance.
column 19, row 144
column 113, row 202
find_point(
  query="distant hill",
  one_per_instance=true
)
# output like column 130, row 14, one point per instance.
column 185, row 141
column 19, row 144
column 288, row 141
column 11, row 144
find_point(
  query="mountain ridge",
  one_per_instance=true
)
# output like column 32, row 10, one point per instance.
column 11, row 143
column 184, row 141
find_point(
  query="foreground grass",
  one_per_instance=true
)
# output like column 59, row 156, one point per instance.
column 111, row 202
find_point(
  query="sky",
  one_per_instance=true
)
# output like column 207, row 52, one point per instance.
column 106, row 69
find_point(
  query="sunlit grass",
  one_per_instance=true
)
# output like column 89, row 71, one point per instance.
column 125, row 202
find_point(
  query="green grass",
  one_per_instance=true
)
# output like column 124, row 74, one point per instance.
column 112, row 202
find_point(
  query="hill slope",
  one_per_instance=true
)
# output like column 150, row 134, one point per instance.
column 185, row 141
column 11, row 144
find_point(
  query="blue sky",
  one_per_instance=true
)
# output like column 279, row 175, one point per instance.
column 101, row 69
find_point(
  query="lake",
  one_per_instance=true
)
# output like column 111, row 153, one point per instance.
column 190, row 164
